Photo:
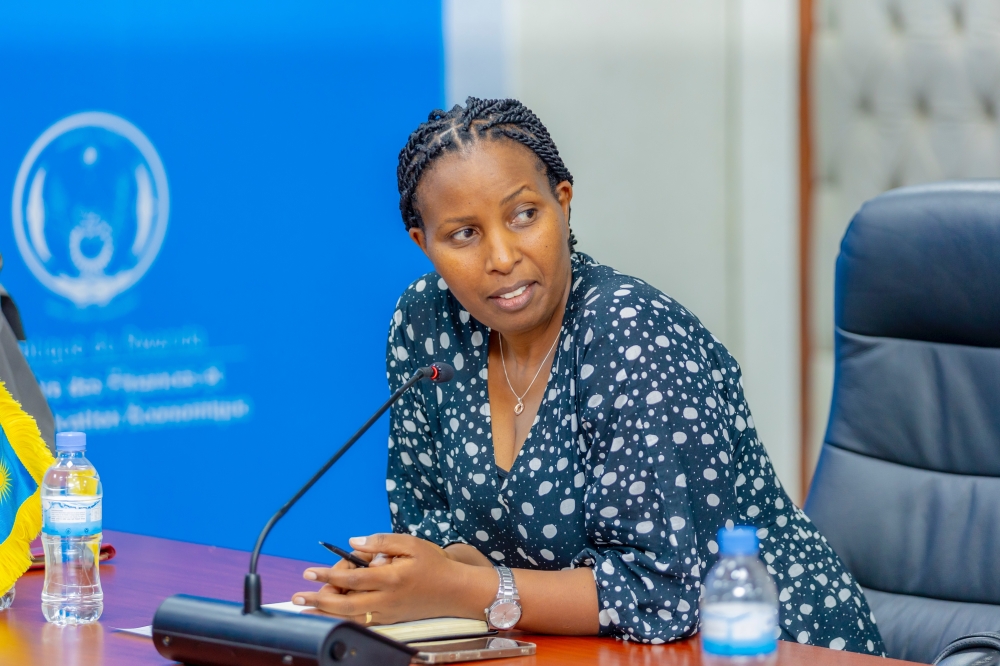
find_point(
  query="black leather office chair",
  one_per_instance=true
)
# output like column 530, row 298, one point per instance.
column 907, row 489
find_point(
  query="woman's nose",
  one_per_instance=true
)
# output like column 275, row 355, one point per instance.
column 503, row 253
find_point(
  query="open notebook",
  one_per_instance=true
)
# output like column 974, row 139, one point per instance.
column 405, row 632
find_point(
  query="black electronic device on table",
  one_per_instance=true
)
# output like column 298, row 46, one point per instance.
column 212, row 632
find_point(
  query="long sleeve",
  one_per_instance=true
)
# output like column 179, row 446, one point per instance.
column 660, row 436
column 418, row 498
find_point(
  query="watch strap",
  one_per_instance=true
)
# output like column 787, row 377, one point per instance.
column 507, row 588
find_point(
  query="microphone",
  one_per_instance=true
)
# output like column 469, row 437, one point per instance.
column 212, row 632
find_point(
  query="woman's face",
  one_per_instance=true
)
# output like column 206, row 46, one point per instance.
column 497, row 234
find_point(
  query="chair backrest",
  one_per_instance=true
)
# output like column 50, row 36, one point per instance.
column 907, row 489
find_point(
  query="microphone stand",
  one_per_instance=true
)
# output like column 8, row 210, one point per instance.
column 251, row 584
column 211, row 632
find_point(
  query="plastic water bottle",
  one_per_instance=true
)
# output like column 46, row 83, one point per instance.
column 739, row 606
column 71, row 535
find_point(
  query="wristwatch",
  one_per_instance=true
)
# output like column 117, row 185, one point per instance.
column 505, row 612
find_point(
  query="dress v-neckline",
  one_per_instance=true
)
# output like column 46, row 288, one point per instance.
column 538, row 413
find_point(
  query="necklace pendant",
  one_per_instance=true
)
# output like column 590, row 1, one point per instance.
column 518, row 408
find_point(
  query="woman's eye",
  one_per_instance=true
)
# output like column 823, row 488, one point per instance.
column 463, row 234
column 526, row 215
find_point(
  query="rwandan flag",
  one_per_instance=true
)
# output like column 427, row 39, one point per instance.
column 24, row 457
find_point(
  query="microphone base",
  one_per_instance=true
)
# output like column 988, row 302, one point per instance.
column 210, row 632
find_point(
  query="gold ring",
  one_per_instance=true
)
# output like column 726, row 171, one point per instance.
column 368, row 617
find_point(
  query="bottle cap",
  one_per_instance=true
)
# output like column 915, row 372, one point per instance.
column 71, row 441
column 741, row 540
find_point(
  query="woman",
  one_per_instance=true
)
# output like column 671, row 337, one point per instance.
column 594, row 439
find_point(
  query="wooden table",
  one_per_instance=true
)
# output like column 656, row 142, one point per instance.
column 148, row 569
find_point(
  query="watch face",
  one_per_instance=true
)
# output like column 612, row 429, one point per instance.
column 504, row 614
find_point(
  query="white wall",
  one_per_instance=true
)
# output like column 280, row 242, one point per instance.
column 677, row 120
column 478, row 49
column 767, row 181
column 635, row 101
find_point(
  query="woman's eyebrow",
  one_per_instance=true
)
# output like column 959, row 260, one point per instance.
column 460, row 220
column 448, row 224
column 510, row 196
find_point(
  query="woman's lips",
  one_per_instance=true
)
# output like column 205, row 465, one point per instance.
column 516, row 298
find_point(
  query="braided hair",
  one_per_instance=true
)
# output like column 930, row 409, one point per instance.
column 480, row 118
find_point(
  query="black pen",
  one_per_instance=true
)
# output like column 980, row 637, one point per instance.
column 353, row 559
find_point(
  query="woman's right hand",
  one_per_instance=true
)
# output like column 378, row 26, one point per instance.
column 376, row 560
column 459, row 552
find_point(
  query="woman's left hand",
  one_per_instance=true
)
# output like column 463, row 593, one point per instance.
column 419, row 581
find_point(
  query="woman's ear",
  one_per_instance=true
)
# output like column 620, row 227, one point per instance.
column 417, row 236
column 564, row 194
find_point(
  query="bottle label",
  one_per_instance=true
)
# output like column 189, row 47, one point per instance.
column 736, row 628
column 71, row 516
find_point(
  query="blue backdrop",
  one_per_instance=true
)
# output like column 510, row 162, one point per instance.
column 215, row 370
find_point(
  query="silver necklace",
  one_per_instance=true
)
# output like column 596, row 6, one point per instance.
column 519, row 407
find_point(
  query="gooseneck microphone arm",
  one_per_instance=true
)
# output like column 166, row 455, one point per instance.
column 436, row 372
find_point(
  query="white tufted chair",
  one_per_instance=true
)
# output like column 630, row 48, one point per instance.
column 905, row 92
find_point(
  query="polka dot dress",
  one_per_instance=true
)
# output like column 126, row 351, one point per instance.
column 642, row 449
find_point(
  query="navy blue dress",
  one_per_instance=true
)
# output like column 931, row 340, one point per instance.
column 643, row 447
